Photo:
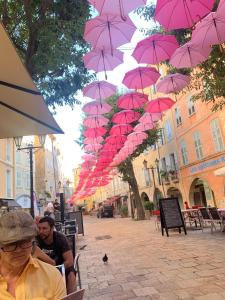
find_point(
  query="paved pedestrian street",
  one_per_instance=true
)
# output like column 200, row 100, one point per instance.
column 144, row 265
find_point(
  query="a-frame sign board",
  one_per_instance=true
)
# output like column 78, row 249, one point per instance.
column 170, row 215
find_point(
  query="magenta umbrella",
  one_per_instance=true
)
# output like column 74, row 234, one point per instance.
column 210, row 31
column 125, row 117
column 141, row 77
column 173, row 83
column 176, row 14
column 144, row 126
column 99, row 90
column 95, row 121
column 189, row 55
column 132, row 101
column 116, row 139
column 103, row 60
column 93, row 140
column 150, row 118
column 117, row 7
column 109, row 31
column 121, row 129
column 96, row 108
column 158, row 105
column 94, row 132
column 155, row 49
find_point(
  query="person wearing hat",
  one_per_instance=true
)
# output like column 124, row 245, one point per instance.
column 22, row 276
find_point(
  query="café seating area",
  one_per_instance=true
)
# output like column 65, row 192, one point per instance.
column 71, row 227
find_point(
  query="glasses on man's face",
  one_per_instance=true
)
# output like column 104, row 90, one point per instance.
column 22, row 244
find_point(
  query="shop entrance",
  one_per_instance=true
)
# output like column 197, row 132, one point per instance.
column 157, row 195
column 201, row 193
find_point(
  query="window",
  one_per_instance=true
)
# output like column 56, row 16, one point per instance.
column 172, row 161
column 163, row 162
column 18, row 179
column 198, row 145
column 184, row 155
column 18, row 157
column 161, row 136
column 147, row 177
column 217, row 136
column 8, row 184
column 168, row 131
column 8, row 150
column 178, row 116
column 191, row 107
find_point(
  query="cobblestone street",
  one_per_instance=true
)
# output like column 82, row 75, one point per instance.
column 144, row 265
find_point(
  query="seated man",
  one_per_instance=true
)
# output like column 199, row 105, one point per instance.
column 21, row 275
column 55, row 244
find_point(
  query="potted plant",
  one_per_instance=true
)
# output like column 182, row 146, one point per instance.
column 149, row 207
column 164, row 175
column 124, row 211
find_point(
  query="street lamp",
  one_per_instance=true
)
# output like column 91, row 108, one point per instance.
column 30, row 148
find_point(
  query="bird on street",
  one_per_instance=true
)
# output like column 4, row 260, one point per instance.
column 105, row 259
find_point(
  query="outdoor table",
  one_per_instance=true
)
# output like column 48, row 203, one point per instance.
column 192, row 216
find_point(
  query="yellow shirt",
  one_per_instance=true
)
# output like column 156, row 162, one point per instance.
column 39, row 281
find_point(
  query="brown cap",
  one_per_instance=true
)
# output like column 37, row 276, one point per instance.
column 16, row 226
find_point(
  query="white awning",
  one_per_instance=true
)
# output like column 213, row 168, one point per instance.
column 220, row 172
column 22, row 108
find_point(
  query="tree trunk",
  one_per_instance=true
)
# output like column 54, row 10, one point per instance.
column 134, row 188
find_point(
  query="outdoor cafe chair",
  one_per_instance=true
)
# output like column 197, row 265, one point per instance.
column 206, row 218
column 77, row 269
column 216, row 217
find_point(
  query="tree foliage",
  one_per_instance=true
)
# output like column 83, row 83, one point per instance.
column 208, row 81
column 48, row 34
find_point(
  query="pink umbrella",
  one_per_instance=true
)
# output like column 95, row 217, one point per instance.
column 137, row 137
column 132, row 101
column 125, row 117
column 173, row 83
column 95, row 121
column 116, row 139
column 150, row 118
column 141, row 77
column 175, row 14
column 189, row 55
column 121, row 129
column 93, row 140
column 92, row 147
column 155, row 49
column 109, row 31
column 221, row 8
column 210, row 31
column 103, row 60
column 144, row 126
column 158, row 105
column 99, row 90
column 88, row 157
column 94, row 132
column 117, row 7
column 96, row 108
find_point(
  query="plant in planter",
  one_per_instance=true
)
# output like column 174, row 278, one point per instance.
column 164, row 175
column 149, row 207
column 124, row 211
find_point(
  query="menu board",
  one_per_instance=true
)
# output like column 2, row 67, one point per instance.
column 171, row 216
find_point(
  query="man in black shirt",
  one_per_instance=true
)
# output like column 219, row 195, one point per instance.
column 56, row 246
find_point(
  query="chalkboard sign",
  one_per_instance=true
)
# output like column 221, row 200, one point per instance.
column 79, row 222
column 171, row 216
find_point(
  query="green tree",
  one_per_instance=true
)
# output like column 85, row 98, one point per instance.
column 126, row 167
column 48, row 34
column 209, row 80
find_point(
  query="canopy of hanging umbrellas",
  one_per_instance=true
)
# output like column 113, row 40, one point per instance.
column 113, row 28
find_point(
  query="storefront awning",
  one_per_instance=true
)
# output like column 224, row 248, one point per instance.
column 22, row 108
column 220, row 172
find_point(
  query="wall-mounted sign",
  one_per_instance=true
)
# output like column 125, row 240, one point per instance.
column 208, row 164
